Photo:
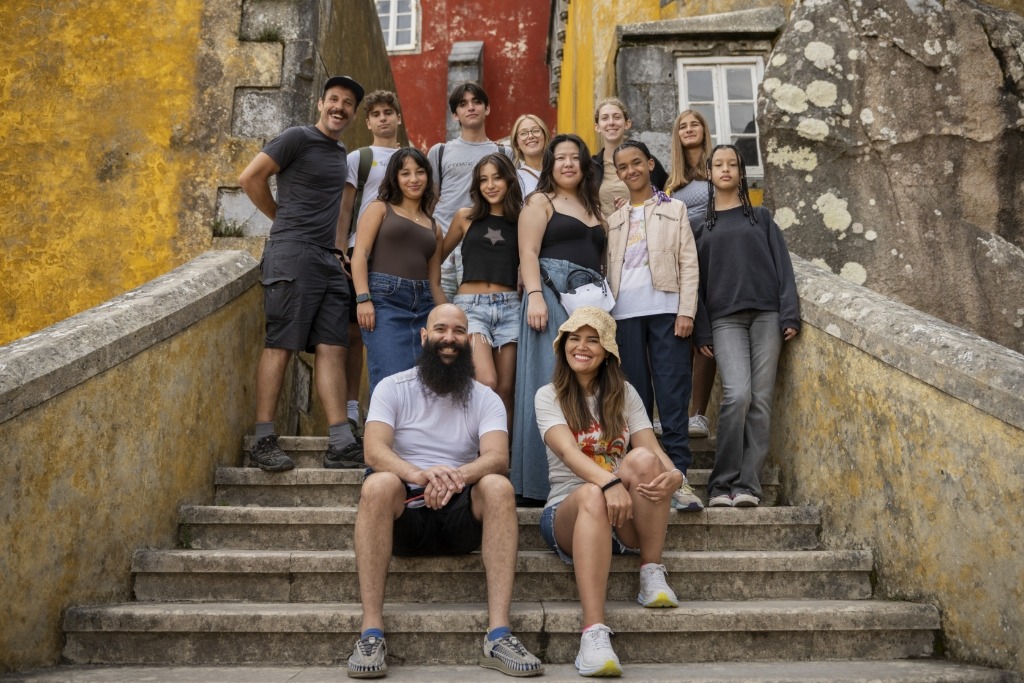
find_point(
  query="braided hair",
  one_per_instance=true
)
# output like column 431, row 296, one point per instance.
column 748, row 209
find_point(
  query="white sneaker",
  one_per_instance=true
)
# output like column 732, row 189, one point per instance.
column 698, row 427
column 720, row 501
column 685, row 500
column 745, row 500
column 596, row 656
column 654, row 589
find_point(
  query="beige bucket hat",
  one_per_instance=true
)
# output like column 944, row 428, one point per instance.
column 596, row 318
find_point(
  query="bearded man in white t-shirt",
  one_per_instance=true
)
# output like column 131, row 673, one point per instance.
column 436, row 443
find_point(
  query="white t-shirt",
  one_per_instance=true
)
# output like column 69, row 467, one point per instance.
column 637, row 295
column 607, row 454
column 381, row 156
column 430, row 430
column 528, row 179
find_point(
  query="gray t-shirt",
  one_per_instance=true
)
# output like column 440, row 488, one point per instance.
column 430, row 430
column 695, row 195
column 606, row 453
column 381, row 156
column 457, row 175
column 309, row 185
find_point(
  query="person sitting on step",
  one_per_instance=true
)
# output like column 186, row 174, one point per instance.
column 603, row 500
column 423, row 496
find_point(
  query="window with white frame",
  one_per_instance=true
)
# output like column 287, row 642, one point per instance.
column 724, row 90
column 399, row 20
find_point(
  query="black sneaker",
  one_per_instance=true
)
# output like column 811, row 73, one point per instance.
column 349, row 457
column 269, row 457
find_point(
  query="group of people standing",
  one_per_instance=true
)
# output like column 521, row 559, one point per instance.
column 561, row 407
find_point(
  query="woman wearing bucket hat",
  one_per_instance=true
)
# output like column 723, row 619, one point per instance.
column 603, row 500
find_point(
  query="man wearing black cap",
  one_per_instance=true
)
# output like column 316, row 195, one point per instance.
column 305, row 294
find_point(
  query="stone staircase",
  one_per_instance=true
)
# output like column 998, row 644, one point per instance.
column 266, row 576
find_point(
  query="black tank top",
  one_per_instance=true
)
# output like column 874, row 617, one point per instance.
column 403, row 247
column 490, row 251
column 569, row 239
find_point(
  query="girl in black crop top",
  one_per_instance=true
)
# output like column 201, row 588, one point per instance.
column 488, row 231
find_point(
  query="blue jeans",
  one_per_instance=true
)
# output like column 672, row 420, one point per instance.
column 653, row 357
column 747, row 347
column 400, row 308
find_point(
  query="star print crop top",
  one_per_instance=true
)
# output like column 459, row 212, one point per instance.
column 490, row 251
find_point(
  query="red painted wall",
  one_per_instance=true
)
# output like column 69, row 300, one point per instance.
column 515, row 71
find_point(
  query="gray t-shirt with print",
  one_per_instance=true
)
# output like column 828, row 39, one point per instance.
column 457, row 175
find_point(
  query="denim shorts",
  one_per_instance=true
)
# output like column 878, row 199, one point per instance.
column 547, row 532
column 494, row 316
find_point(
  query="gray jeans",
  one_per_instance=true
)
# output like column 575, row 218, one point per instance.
column 747, row 346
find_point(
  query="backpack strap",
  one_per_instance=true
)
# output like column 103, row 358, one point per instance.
column 365, row 162
column 440, row 168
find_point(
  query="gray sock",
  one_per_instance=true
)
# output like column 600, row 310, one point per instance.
column 340, row 435
column 264, row 429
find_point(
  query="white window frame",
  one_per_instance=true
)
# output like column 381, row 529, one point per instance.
column 391, row 33
column 719, row 65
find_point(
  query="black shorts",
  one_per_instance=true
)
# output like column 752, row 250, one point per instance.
column 305, row 296
column 451, row 530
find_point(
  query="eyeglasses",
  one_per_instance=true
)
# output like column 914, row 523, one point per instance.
column 532, row 133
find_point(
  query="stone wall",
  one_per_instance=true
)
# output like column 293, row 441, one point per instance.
column 109, row 421
column 908, row 433
column 121, row 133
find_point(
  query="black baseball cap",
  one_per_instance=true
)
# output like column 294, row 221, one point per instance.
column 345, row 82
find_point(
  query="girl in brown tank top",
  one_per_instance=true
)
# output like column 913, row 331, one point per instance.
column 396, row 266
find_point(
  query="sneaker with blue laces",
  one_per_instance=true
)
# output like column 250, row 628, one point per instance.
column 510, row 657
column 369, row 659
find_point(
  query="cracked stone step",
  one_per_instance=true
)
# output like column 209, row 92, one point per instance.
column 884, row 671
column 308, row 451
column 318, row 487
column 330, row 576
column 330, row 528
column 298, row 633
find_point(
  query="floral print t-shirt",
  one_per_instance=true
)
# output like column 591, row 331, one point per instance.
column 606, row 453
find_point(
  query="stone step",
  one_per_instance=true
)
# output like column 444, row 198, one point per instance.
column 317, row 487
column 330, row 528
column 308, row 451
column 299, row 633
column 330, row 576
column 883, row 671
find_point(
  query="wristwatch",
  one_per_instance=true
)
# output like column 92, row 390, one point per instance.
column 363, row 298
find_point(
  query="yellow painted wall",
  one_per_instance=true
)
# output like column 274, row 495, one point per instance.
column 100, row 470
column 933, row 486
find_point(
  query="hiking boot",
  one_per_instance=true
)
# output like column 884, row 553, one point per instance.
column 596, row 656
column 745, row 499
column 507, row 655
column 698, row 427
column 368, row 659
column 685, row 500
column 348, row 458
column 722, row 500
column 269, row 457
column 654, row 589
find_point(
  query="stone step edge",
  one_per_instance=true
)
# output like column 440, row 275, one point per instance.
column 339, row 561
column 319, row 443
column 549, row 617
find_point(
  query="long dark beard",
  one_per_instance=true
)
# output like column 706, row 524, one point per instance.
column 455, row 379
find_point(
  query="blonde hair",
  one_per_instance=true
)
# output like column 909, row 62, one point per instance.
column 679, row 175
column 517, row 154
column 615, row 101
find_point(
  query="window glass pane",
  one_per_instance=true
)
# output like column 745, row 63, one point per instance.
column 383, row 8
column 741, row 118
column 699, row 86
column 404, row 6
column 404, row 23
column 739, row 85
column 385, row 23
column 748, row 148
column 708, row 112
column 403, row 37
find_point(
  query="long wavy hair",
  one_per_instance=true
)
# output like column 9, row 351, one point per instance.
column 587, row 190
column 682, row 175
column 391, row 193
column 609, row 386
column 513, row 201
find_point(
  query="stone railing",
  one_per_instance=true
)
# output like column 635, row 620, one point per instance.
column 109, row 421
column 908, row 432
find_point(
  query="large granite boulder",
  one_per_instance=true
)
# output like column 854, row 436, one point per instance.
column 893, row 132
